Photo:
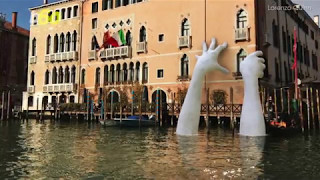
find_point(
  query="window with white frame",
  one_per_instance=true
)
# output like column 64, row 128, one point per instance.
column 242, row 19
column 160, row 73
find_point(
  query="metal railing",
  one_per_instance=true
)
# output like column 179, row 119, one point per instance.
column 142, row 47
column 92, row 55
column 184, row 41
column 31, row 89
column 68, row 87
column 242, row 34
column 111, row 53
column 33, row 59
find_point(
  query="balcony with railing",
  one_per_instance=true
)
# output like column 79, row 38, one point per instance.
column 92, row 55
column 31, row 89
column 33, row 59
column 184, row 78
column 62, row 56
column 242, row 34
column 59, row 88
column 184, row 42
column 118, row 52
column 142, row 47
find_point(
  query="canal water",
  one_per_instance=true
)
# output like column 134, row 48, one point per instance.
column 71, row 150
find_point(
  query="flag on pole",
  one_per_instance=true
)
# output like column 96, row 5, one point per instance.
column 108, row 40
column 294, row 66
column 116, row 40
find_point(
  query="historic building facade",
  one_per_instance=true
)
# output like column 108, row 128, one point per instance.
column 161, row 41
column 54, row 57
column 13, row 63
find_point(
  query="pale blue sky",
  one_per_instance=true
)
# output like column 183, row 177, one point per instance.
column 22, row 7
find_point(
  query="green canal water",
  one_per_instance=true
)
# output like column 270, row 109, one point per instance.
column 70, row 150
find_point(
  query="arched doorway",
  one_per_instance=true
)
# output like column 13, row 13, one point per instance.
column 159, row 97
column 62, row 99
column 45, row 101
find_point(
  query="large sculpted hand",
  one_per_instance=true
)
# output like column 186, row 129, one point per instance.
column 208, row 61
column 252, row 119
column 252, row 66
column 188, row 122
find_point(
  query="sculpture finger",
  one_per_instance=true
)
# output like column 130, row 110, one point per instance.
column 213, row 44
column 261, row 60
column 222, row 69
column 263, row 66
column 257, row 53
column 220, row 48
column 204, row 47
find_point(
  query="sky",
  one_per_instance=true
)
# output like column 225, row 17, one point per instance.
column 22, row 7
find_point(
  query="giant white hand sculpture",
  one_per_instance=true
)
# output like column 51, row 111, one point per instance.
column 252, row 120
column 188, row 122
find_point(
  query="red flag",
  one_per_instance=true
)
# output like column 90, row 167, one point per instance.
column 108, row 40
column 295, row 49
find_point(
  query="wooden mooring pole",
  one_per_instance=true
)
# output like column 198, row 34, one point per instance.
column 2, row 106
column 312, row 108
column 318, row 107
column 8, row 105
column 301, row 110
column 231, row 113
column 308, row 108
column 207, row 110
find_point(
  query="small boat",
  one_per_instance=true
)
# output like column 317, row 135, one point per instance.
column 131, row 121
column 281, row 128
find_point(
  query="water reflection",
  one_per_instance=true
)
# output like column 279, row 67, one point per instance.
column 71, row 150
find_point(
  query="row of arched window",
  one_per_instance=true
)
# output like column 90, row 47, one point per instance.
column 57, row 15
column 63, row 43
column 119, row 73
column 60, row 75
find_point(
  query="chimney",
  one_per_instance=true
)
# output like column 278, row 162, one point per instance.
column 45, row 2
column 14, row 20
column 316, row 19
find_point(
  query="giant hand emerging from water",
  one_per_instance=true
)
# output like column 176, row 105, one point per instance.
column 188, row 122
column 252, row 120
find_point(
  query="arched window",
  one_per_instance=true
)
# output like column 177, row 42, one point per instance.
column 54, row 75
column 73, row 74
column 106, row 74
column 184, row 64
column 34, row 47
column 240, row 57
column 185, row 27
column 128, row 38
column 30, row 101
column 242, row 19
column 50, row 16
column 60, row 75
column 67, row 75
column 131, row 69
column 74, row 40
column 143, row 34
column 118, row 73
column 98, row 76
column 145, row 72
column 56, row 44
column 32, row 76
column 48, row 44
column 47, row 76
column 61, row 43
column 83, row 76
column 68, row 42
column 75, row 11
column 57, row 15
column 63, row 13
column 112, row 73
column 69, row 12
column 35, row 19
column 93, row 43
column 138, row 71
column 125, row 72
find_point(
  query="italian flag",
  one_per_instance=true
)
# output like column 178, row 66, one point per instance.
column 116, row 40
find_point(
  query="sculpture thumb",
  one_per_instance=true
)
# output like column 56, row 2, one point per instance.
column 222, row 69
